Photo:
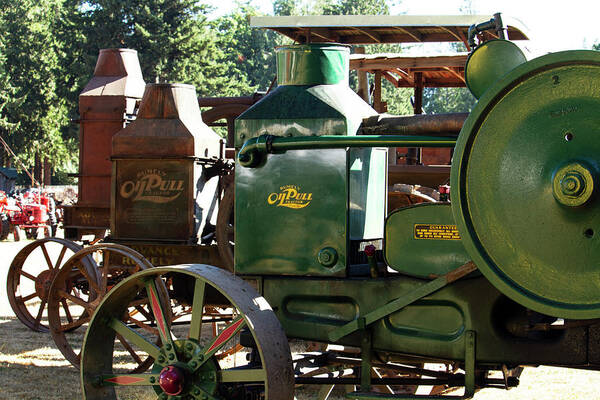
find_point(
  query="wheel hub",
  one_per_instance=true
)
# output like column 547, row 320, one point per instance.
column 573, row 184
column 171, row 380
column 184, row 377
column 43, row 282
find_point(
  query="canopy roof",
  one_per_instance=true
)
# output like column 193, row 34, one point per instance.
column 409, row 71
column 372, row 29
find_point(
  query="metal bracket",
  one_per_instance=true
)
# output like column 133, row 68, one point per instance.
column 470, row 339
column 401, row 302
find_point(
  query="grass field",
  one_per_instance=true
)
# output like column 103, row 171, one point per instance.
column 32, row 368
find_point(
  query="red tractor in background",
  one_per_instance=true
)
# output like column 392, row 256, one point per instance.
column 29, row 212
column 4, row 221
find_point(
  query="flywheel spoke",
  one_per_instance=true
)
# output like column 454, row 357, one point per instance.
column 129, row 349
column 76, row 300
column 47, row 256
column 134, row 337
column 91, row 281
column 72, row 325
column 38, row 318
column 60, row 257
column 65, row 306
column 28, row 297
column 158, row 310
column 27, row 275
column 130, row 380
column 197, row 309
column 242, row 375
column 221, row 340
column 202, row 394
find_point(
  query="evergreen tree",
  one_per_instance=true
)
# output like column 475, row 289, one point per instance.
column 250, row 49
column 286, row 7
column 34, row 113
column 355, row 7
column 174, row 41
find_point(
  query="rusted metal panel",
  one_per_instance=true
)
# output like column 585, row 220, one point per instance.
column 104, row 105
column 153, row 199
column 170, row 254
column 424, row 175
column 169, row 124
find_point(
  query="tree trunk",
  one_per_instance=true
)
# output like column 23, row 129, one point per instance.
column 47, row 172
column 38, row 171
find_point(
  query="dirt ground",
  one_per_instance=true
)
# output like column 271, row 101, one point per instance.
column 32, row 368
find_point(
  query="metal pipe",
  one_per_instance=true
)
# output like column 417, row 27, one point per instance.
column 454, row 381
column 493, row 24
column 252, row 152
column 448, row 125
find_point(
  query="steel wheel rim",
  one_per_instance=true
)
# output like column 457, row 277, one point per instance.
column 60, row 297
column 275, row 372
column 15, row 272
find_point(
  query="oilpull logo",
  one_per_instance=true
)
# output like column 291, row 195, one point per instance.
column 289, row 196
column 150, row 185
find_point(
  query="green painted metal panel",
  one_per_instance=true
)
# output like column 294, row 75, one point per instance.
column 531, row 244
column 303, row 111
column 423, row 241
column 313, row 64
column 490, row 62
column 292, row 207
column 368, row 192
column 435, row 326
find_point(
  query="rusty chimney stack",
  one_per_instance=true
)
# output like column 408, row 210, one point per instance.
column 106, row 104
column 158, row 167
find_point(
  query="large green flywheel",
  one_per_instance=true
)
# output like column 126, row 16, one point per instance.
column 525, row 178
column 213, row 312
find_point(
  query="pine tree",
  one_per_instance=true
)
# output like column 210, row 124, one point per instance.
column 35, row 115
column 174, row 41
column 251, row 50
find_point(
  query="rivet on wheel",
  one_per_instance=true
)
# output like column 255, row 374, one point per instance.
column 171, row 356
column 161, row 359
column 168, row 346
column 193, row 364
column 189, row 346
column 152, row 379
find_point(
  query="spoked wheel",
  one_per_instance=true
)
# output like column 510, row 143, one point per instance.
column 187, row 364
column 225, row 227
column 79, row 287
column 30, row 276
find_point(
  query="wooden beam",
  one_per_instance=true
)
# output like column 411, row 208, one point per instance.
column 406, row 76
column 377, row 104
column 416, row 36
column 456, row 74
column 390, row 78
column 369, row 33
column 408, row 62
column 325, row 33
column 363, row 79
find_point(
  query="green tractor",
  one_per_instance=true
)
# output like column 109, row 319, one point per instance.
column 506, row 274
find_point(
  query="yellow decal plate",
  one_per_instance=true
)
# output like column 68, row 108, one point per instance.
column 289, row 196
column 436, row 232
